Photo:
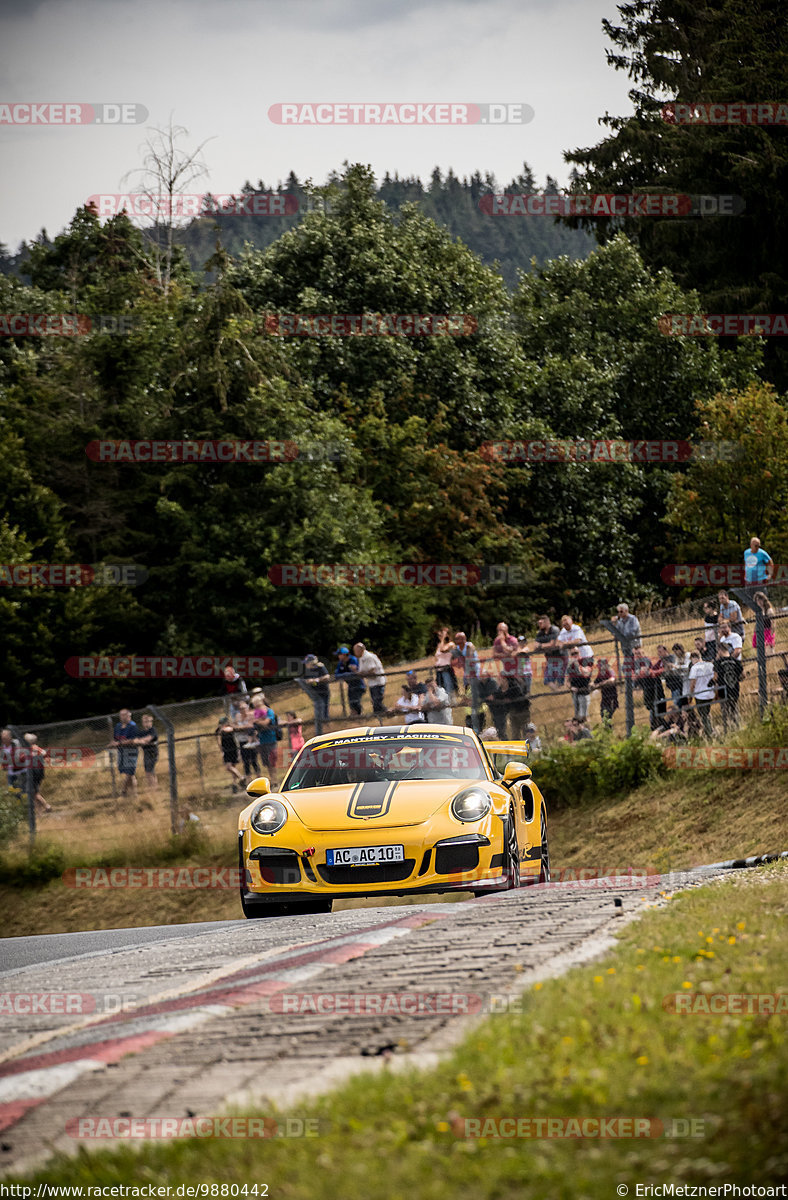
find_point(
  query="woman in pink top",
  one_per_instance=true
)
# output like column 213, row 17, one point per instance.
column 444, row 675
column 295, row 732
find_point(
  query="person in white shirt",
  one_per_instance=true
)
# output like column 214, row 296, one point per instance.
column 370, row 666
column 435, row 705
column 701, row 686
column 572, row 635
column 409, row 704
column 728, row 638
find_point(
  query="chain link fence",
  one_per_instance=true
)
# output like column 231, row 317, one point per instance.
column 88, row 794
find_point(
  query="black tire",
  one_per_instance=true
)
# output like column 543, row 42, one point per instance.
column 544, row 868
column 512, row 852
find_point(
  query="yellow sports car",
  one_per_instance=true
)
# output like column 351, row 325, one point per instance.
column 390, row 811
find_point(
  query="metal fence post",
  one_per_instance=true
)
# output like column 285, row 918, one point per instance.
column 168, row 725
column 198, row 751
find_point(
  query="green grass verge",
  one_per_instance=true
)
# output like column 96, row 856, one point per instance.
column 597, row 1043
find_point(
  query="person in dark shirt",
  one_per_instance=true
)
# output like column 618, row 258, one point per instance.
column 728, row 672
column 318, row 678
column 225, row 736
column 149, row 740
column 608, row 691
column 235, row 690
column 124, row 732
column 517, row 705
column 711, row 618
column 546, row 641
column 672, row 727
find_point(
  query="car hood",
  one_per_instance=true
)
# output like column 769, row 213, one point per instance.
column 376, row 805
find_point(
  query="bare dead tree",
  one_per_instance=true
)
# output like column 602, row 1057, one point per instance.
column 166, row 172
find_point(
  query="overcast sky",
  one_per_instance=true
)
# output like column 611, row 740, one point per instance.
column 217, row 67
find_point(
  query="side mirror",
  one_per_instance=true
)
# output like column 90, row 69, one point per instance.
column 514, row 771
column 259, row 787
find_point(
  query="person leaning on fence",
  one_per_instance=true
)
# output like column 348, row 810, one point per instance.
column 125, row 734
column 225, row 736
column 607, row 686
column 347, row 670
column 546, row 641
column 701, row 688
column 761, row 600
column 731, row 612
column 265, row 724
column 728, row 672
column 317, row 676
column 149, row 740
column 370, row 668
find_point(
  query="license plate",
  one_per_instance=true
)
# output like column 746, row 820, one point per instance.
column 364, row 856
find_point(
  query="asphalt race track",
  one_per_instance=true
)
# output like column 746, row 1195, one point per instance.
column 180, row 1021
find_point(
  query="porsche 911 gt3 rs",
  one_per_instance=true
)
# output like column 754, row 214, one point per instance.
column 390, row 811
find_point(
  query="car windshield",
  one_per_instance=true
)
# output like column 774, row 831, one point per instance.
column 374, row 760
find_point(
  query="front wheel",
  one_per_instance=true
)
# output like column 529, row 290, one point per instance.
column 544, row 858
column 512, row 852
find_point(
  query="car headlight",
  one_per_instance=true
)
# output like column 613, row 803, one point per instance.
column 268, row 816
column 471, row 805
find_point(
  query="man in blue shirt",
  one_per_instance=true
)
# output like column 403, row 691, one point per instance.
column 758, row 568
column 347, row 669
column 126, row 731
